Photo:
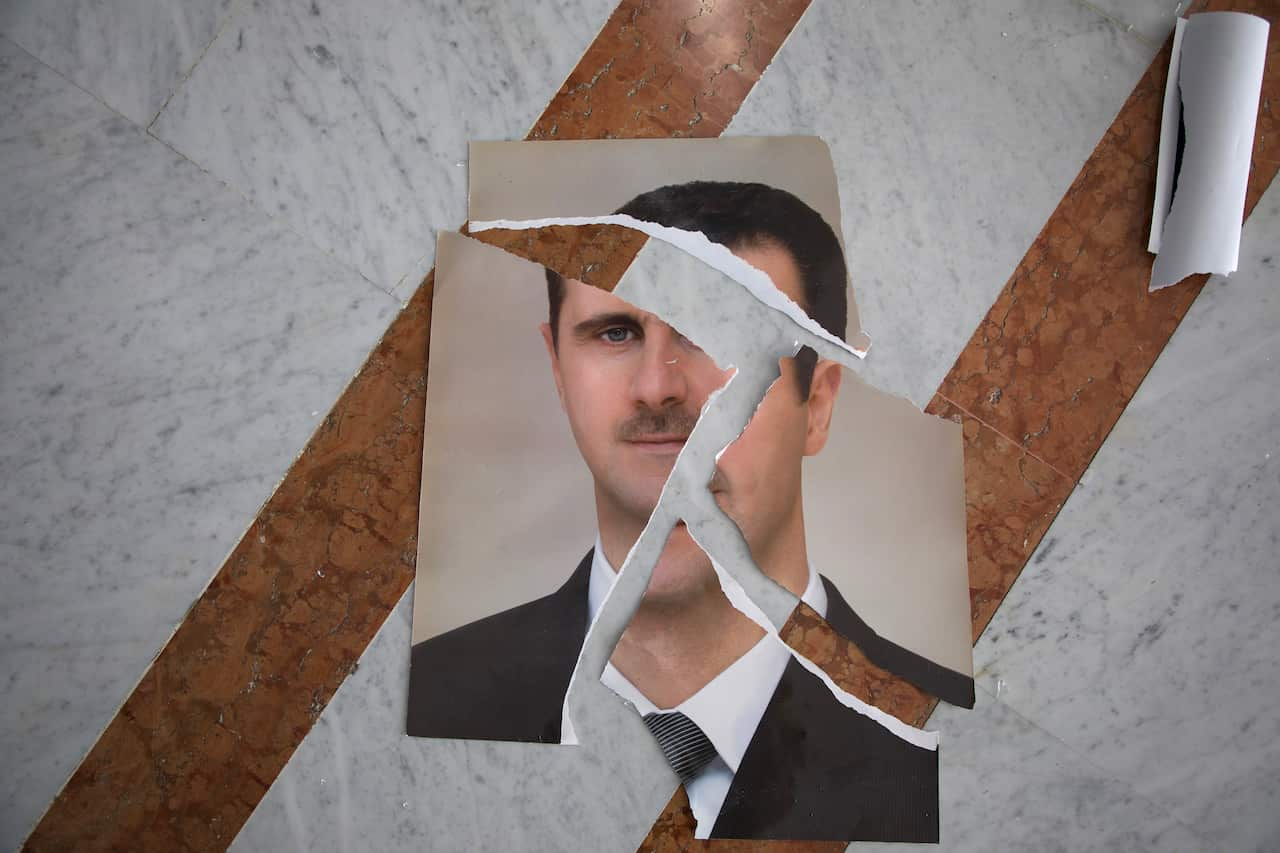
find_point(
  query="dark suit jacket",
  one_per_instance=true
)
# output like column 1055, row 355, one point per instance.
column 814, row 769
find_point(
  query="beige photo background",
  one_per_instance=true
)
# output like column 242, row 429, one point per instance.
column 507, row 509
column 540, row 180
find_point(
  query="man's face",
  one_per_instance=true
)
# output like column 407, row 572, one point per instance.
column 633, row 387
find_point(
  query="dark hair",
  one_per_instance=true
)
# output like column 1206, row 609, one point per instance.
column 738, row 215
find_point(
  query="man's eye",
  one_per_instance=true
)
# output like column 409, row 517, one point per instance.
column 617, row 334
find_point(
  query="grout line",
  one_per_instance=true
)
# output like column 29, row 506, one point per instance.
column 236, row 9
column 69, row 81
column 1077, row 753
column 146, row 131
column 1123, row 25
column 328, row 253
column 1017, row 444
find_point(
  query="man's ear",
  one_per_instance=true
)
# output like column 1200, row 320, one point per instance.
column 545, row 328
column 827, row 376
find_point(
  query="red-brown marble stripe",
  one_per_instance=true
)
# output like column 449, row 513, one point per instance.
column 1062, row 351
column 1070, row 338
column 257, row 658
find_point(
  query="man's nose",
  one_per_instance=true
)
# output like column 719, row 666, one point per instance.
column 661, row 380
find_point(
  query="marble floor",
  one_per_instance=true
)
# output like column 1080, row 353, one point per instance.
column 211, row 213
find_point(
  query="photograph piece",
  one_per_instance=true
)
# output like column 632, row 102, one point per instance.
column 556, row 412
column 529, row 181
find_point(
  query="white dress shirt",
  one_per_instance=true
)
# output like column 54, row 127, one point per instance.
column 727, row 708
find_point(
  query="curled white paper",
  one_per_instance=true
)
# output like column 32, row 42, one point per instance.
column 1215, row 79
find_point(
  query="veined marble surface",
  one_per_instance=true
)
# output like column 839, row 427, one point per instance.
column 130, row 54
column 1008, row 785
column 359, row 782
column 955, row 131
column 165, row 351
column 1143, row 633
column 1150, row 20
column 350, row 121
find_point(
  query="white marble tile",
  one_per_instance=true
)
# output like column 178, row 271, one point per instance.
column 1007, row 785
column 955, row 129
column 1144, row 630
column 165, row 351
column 39, row 104
column 358, row 782
column 350, row 121
column 132, row 54
column 1149, row 20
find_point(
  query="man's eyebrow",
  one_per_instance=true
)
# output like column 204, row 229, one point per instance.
column 597, row 322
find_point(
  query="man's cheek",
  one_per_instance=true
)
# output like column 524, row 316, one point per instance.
column 732, row 508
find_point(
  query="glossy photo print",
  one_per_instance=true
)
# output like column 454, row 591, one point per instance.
column 642, row 485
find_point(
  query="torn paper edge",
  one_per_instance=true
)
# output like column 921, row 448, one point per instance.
column 567, row 727
column 663, row 519
column 739, row 599
column 661, row 524
column 695, row 243
column 1168, row 142
column 534, row 179
column 642, row 287
column 743, row 603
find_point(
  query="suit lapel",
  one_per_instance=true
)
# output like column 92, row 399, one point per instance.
column 816, row 769
column 782, row 780
column 933, row 678
column 559, row 645
column 503, row 677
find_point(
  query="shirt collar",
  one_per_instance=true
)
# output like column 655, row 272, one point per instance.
column 603, row 574
column 729, row 707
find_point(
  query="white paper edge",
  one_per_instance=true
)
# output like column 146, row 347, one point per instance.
column 695, row 243
column 590, row 640
column 1168, row 143
column 719, row 258
column 743, row 603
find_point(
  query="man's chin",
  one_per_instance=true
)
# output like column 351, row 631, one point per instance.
column 683, row 572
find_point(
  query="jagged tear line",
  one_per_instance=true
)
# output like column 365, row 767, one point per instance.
column 718, row 257
column 702, row 499
column 1166, row 159
column 741, row 564
column 633, row 577
column 742, row 602
column 683, row 490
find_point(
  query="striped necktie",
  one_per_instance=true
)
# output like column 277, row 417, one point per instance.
column 686, row 747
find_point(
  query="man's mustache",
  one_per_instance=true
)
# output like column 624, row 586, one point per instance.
column 665, row 423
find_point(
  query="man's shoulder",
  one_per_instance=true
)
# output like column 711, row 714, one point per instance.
column 933, row 678
column 502, row 677
column 817, row 769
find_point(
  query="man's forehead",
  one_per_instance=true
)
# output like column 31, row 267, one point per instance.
column 770, row 258
column 582, row 298
column 588, row 304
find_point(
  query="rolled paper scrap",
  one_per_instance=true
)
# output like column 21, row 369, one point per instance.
column 1215, row 80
